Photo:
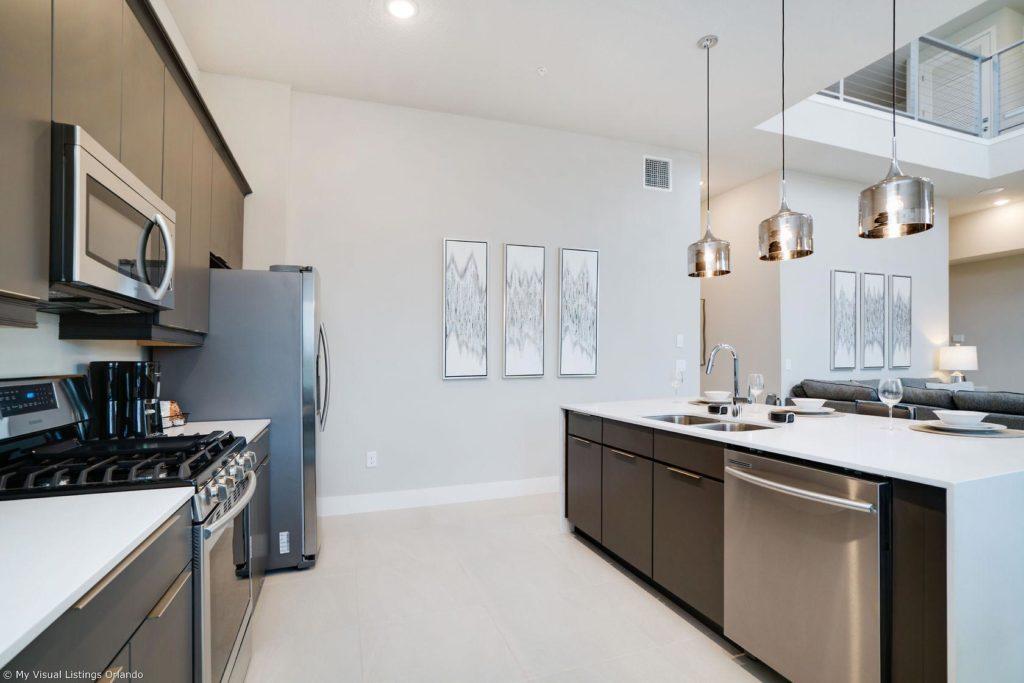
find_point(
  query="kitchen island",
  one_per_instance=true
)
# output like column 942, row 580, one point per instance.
column 957, row 539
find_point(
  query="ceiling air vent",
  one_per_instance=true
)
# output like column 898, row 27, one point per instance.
column 658, row 174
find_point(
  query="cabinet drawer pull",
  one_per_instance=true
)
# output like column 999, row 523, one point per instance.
column 172, row 592
column 624, row 455
column 691, row 475
column 582, row 441
column 84, row 601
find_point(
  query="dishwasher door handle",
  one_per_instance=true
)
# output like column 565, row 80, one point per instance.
column 835, row 501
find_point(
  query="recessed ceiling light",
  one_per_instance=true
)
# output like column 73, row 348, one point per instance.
column 402, row 9
column 542, row 71
column 992, row 190
column 1001, row 202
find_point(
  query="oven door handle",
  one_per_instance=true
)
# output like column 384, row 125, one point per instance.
column 239, row 508
column 140, row 257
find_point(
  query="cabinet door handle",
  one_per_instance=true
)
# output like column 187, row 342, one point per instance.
column 581, row 441
column 624, row 455
column 172, row 592
column 691, row 475
column 84, row 601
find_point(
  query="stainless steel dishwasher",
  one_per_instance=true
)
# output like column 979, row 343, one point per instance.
column 804, row 556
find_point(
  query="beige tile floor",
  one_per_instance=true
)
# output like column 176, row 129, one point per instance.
column 490, row 591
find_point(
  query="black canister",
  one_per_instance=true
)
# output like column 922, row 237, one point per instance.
column 107, row 386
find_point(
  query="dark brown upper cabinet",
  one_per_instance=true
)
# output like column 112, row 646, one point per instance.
column 202, row 181
column 179, row 122
column 88, row 41
column 142, row 105
column 25, row 140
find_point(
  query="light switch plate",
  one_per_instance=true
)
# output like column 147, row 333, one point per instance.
column 679, row 341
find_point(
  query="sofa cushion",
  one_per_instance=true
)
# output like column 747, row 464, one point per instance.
column 936, row 398
column 1011, row 421
column 838, row 391
column 1007, row 402
column 915, row 382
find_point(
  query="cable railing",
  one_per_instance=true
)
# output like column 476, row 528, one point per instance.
column 944, row 85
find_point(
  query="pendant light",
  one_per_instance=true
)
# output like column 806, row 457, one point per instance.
column 899, row 205
column 708, row 256
column 787, row 234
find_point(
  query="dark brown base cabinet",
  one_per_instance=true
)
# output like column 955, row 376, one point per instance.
column 584, row 486
column 688, row 538
column 137, row 618
column 656, row 500
column 626, row 507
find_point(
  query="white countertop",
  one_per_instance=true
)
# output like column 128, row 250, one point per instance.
column 249, row 429
column 858, row 442
column 54, row 549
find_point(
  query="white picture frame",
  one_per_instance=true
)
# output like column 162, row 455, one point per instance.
column 873, row 321
column 843, row 320
column 465, row 313
column 901, row 321
column 578, row 304
column 524, row 311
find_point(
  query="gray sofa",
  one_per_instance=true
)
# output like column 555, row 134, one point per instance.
column 1003, row 407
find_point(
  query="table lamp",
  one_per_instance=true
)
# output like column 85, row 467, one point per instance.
column 956, row 359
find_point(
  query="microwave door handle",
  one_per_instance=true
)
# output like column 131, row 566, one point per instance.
column 140, row 258
column 165, row 231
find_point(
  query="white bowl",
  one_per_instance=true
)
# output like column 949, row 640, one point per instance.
column 960, row 418
column 717, row 396
column 809, row 403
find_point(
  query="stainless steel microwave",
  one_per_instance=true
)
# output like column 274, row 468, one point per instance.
column 112, row 237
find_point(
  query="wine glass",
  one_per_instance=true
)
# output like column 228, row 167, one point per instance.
column 890, row 391
column 755, row 386
column 677, row 383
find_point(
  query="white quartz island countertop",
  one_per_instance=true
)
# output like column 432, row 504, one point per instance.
column 857, row 442
column 55, row 548
column 984, row 483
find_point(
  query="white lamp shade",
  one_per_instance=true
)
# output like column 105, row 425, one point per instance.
column 958, row 358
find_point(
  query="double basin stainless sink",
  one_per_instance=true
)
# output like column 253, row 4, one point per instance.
column 708, row 423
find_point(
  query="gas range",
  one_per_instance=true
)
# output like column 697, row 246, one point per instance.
column 57, row 458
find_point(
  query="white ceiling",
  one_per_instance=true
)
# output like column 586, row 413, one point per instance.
column 620, row 68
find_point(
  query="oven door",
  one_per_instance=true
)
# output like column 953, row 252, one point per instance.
column 117, row 234
column 224, row 599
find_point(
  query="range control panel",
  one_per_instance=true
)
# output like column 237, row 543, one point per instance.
column 27, row 398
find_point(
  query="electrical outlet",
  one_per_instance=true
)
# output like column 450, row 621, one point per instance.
column 680, row 366
column 679, row 341
column 371, row 458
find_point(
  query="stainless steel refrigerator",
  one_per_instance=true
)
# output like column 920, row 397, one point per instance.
column 266, row 356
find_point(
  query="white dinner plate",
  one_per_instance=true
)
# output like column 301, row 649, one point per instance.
column 809, row 411
column 980, row 427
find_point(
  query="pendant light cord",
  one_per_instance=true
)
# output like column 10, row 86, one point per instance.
column 783, row 100
column 707, row 128
column 894, row 77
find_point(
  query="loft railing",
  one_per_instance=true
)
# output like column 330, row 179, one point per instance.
column 945, row 85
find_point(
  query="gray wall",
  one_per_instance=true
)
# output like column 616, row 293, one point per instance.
column 29, row 353
column 986, row 304
column 373, row 191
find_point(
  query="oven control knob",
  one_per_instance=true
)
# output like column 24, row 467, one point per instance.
column 207, row 493
column 249, row 460
column 223, row 486
column 236, row 471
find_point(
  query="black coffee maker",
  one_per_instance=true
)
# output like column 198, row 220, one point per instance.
column 125, row 399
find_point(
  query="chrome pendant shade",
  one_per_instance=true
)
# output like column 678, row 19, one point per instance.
column 709, row 256
column 898, row 205
column 787, row 234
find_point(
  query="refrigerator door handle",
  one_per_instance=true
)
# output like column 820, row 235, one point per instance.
column 326, row 394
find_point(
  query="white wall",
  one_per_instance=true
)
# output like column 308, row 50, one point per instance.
column 985, row 234
column 255, row 117
column 986, row 304
column 742, row 308
column 375, row 189
column 30, row 353
column 805, row 283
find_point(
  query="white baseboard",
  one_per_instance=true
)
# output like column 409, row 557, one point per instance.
column 441, row 495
